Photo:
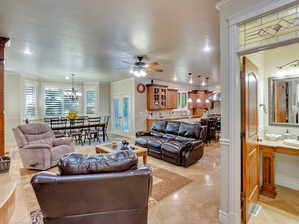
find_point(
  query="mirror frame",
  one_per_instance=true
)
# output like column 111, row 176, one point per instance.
column 270, row 101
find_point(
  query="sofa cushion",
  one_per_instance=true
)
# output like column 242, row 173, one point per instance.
column 174, row 146
column 184, row 139
column 159, row 126
column 169, row 136
column 172, row 127
column 156, row 142
column 76, row 164
column 142, row 140
column 48, row 141
column 189, row 130
column 156, row 133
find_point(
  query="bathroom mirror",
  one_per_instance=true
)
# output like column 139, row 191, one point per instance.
column 284, row 101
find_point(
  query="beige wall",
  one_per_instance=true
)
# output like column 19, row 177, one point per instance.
column 12, row 106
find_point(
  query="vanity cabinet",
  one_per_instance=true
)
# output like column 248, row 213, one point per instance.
column 268, row 150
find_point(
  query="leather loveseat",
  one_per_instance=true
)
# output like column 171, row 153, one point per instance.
column 90, row 189
column 176, row 142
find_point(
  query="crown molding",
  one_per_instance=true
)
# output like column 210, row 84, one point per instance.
column 222, row 4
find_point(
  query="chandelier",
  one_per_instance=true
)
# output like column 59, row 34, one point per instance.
column 73, row 93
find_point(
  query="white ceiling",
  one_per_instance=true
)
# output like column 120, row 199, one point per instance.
column 91, row 38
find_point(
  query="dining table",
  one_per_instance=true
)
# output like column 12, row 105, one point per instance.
column 83, row 126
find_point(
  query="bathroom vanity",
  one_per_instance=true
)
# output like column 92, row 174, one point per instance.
column 268, row 150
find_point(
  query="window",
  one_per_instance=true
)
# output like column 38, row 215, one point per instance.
column 182, row 100
column 53, row 102
column 70, row 105
column 91, row 101
column 30, row 105
column 57, row 104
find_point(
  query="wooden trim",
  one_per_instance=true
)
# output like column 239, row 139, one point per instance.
column 3, row 41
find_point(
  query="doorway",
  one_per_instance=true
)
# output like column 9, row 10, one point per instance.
column 120, row 115
column 271, row 194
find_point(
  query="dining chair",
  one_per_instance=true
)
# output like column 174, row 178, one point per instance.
column 77, row 130
column 59, row 123
column 92, row 133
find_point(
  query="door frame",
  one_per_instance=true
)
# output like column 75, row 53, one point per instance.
column 230, row 196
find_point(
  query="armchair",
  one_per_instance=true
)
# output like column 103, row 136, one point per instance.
column 39, row 149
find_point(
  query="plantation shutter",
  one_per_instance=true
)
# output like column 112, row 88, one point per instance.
column 30, row 105
column 91, row 101
column 71, row 105
column 53, row 102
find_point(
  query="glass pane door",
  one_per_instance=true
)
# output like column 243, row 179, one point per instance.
column 125, row 116
column 121, row 119
column 116, row 115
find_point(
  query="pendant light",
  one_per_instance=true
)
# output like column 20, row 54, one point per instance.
column 73, row 93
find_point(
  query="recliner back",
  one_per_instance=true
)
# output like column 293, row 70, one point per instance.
column 119, row 198
column 183, row 129
column 34, row 132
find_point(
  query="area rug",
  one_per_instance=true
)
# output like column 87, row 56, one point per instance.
column 165, row 183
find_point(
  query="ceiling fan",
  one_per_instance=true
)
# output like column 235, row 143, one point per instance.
column 140, row 68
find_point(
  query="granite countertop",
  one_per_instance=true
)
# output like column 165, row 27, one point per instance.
column 168, row 118
column 278, row 143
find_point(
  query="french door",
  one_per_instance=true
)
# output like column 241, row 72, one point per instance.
column 120, row 115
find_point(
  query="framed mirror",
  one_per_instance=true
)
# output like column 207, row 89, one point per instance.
column 284, row 101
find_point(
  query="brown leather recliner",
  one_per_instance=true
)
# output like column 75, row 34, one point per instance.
column 176, row 142
column 107, row 195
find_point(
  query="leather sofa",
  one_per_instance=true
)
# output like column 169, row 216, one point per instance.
column 91, row 189
column 176, row 142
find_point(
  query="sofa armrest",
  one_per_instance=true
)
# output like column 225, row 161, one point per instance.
column 62, row 141
column 197, row 144
column 142, row 133
column 37, row 146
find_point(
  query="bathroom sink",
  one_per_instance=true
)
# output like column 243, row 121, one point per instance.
column 291, row 142
column 272, row 137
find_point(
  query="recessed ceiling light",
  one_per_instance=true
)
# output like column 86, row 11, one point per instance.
column 191, row 81
column 27, row 51
column 175, row 78
column 67, row 77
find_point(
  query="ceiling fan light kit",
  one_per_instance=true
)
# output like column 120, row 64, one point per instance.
column 140, row 68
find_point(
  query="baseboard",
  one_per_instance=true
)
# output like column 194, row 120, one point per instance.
column 223, row 217
column 286, row 181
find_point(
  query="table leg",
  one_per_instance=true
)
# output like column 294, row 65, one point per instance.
column 104, row 137
column 145, row 159
column 268, row 187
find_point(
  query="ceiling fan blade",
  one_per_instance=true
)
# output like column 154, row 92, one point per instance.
column 126, row 62
column 154, row 69
column 153, row 64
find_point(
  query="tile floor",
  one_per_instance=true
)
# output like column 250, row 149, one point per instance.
column 197, row 202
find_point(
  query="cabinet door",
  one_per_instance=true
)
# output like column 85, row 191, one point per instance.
column 171, row 99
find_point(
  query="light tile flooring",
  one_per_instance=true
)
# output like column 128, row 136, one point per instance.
column 197, row 202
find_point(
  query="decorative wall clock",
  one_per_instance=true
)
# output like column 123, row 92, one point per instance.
column 140, row 88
